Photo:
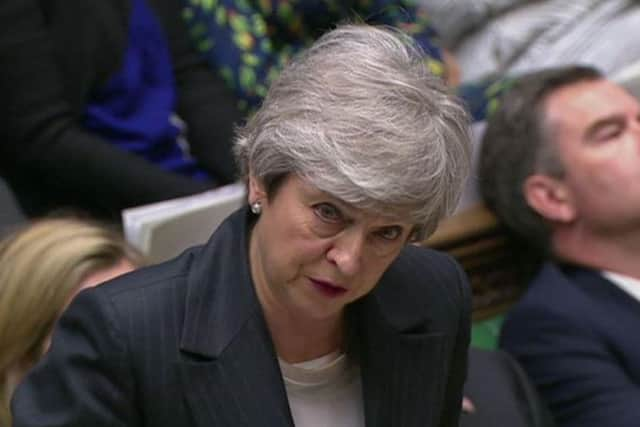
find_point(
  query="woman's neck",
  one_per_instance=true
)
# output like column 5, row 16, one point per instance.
column 297, row 341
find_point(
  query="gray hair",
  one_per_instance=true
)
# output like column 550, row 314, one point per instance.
column 518, row 143
column 359, row 116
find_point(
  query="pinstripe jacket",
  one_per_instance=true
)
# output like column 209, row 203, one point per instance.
column 184, row 343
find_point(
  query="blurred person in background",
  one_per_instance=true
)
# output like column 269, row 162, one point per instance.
column 248, row 42
column 107, row 106
column 309, row 306
column 498, row 38
column 10, row 213
column 560, row 166
column 42, row 267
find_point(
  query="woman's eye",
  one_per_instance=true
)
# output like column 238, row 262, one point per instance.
column 328, row 212
column 390, row 233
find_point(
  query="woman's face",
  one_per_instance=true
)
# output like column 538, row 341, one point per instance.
column 312, row 254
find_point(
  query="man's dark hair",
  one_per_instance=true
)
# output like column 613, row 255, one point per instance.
column 518, row 143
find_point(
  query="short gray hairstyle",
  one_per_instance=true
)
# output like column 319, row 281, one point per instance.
column 359, row 116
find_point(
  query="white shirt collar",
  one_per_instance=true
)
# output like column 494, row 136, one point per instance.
column 628, row 284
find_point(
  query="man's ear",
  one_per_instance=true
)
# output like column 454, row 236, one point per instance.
column 257, row 192
column 550, row 197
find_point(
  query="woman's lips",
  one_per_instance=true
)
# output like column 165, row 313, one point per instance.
column 328, row 289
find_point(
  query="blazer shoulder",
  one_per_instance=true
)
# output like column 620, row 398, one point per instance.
column 167, row 273
column 554, row 306
column 431, row 269
column 553, row 291
column 150, row 292
column 424, row 282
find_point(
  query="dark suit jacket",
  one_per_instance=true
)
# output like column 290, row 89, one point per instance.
column 185, row 343
column 576, row 335
column 54, row 56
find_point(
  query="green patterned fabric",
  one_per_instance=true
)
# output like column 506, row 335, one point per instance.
column 249, row 41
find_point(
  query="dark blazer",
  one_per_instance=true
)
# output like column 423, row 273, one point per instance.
column 576, row 335
column 185, row 343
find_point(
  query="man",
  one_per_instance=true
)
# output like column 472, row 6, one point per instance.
column 560, row 166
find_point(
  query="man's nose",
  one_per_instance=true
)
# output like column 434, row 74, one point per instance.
column 346, row 251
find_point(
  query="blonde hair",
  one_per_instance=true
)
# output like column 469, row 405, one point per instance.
column 41, row 268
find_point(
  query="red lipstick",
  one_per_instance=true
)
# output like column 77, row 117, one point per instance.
column 327, row 288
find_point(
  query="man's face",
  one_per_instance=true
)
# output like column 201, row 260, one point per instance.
column 596, row 128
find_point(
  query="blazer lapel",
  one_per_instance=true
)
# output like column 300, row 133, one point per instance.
column 402, row 371
column 241, row 387
column 228, row 366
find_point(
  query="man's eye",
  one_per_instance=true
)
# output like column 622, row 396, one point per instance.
column 327, row 212
column 390, row 233
column 608, row 132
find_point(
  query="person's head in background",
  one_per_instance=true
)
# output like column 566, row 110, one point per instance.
column 560, row 166
column 42, row 267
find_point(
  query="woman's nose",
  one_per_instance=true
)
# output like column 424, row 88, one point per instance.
column 347, row 250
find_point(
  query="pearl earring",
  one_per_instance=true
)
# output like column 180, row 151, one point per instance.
column 256, row 208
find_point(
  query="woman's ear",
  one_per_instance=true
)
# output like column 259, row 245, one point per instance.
column 550, row 197
column 257, row 192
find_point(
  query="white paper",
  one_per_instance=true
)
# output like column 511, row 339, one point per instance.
column 163, row 230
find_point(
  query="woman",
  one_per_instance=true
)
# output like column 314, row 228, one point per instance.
column 41, row 268
column 309, row 307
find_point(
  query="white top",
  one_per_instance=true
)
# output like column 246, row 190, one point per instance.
column 324, row 392
column 626, row 283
